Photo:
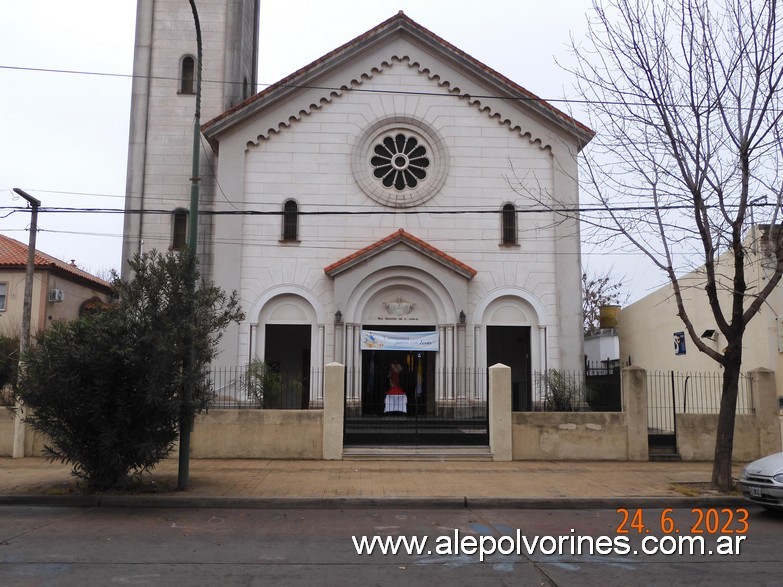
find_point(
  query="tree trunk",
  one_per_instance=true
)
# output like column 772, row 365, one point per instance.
column 724, row 443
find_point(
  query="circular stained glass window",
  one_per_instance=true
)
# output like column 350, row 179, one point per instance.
column 400, row 161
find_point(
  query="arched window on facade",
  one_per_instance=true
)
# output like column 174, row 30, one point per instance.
column 179, row 230
column 187, row 75
column 290, row 221
column 509, row 225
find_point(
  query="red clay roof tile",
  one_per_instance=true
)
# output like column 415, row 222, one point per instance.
column 401, row 20
column 395, row 237
column 13, row 254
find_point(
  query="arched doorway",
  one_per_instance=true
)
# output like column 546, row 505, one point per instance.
column 515, row 337
column 286, row 337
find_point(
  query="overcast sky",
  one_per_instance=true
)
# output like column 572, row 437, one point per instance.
column 64, row 135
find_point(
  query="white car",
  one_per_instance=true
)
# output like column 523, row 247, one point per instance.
column 762, row 482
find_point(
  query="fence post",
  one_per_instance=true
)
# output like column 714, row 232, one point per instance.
column 334, row 411
column 634, row 392
column 500, row 414
column 765, row 409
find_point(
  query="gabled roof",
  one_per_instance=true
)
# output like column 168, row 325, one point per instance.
column 400, row 24
column 13, row 255
column 408, row 239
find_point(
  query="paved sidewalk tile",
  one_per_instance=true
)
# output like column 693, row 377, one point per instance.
column 234, row 478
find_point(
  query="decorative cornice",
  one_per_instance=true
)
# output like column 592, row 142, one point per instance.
column 355, row 83
column 398, row 25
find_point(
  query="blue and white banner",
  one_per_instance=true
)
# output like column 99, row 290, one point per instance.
column 376, row 340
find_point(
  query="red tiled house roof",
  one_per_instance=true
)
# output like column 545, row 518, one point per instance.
column 13, row 255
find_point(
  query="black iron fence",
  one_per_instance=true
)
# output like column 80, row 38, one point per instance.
column 670, row 393
column 596, row 389
column 414, row 403
column 257, row 387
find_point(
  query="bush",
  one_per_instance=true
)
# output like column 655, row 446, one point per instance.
column 263, row 385
column 107, row 389
column 562, row 392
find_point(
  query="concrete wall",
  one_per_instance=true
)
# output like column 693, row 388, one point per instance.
column 696, row 435
column 6, row 433
column 258, row 434
column 755, row 435
column 33, row 441
column 570, row 436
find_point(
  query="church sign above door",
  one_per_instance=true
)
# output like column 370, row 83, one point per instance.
column 376, row 340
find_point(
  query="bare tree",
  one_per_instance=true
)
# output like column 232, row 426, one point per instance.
column 598, row 289
column 686, row 96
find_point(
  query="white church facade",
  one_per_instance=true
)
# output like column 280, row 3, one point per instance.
column 385, row 204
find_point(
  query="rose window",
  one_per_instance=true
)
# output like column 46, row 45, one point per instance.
column 400, row 162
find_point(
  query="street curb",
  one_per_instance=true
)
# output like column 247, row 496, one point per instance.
column 203, row 502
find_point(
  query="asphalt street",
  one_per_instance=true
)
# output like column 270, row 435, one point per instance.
column 148, row 546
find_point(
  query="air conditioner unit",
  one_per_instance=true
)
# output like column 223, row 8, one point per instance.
column 56, row 295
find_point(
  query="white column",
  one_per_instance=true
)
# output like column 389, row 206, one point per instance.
column 440, row 389
column 339, row 343
column 316, row 380
column 542, row 346
column 334, row 411
column 479, row 361
column 463, row 384
column 500, row 424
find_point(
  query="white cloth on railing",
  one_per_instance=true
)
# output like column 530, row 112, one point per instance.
column 396, row 403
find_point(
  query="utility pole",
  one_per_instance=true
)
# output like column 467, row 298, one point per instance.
column 24, row 339
column 186, row 413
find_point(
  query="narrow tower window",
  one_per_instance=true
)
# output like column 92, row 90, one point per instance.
column 290, row 221
column 509, row 225
column 187, row 75
column 179, row 230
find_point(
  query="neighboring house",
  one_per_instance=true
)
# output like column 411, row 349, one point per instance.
column 61, row 291
column 654, row 337
column 383, row 196
column 602, row 347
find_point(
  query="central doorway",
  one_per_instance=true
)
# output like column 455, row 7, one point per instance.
column 403, row 396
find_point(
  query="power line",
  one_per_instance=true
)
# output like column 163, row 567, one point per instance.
column 583, row 101
column 384, row 212
column 339, row 244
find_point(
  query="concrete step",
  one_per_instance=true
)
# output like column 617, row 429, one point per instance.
column 669, row 456
column 417, row 453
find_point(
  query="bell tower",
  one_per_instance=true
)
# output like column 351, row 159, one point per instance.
column 163, row 103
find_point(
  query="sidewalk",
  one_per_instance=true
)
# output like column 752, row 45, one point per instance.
column 279, row 483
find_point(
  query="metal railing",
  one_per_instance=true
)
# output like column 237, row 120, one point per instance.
column 242, row 387
column 669, row 392
column 595, row 390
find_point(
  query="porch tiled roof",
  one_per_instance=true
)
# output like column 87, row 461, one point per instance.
column 391, row 240
column 13, row 255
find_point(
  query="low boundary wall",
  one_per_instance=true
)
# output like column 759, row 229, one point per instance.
column 258, row 434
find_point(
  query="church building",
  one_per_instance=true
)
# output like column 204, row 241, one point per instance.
column 385, row 207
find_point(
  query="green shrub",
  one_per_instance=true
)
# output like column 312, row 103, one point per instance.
column 107, row 389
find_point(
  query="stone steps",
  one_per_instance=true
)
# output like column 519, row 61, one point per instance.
column 417, row 453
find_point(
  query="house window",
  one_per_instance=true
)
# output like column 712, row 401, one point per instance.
column 509, row 225
column 3, row 295
column 187, row 75
column 179, row 230
column 290, row 221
